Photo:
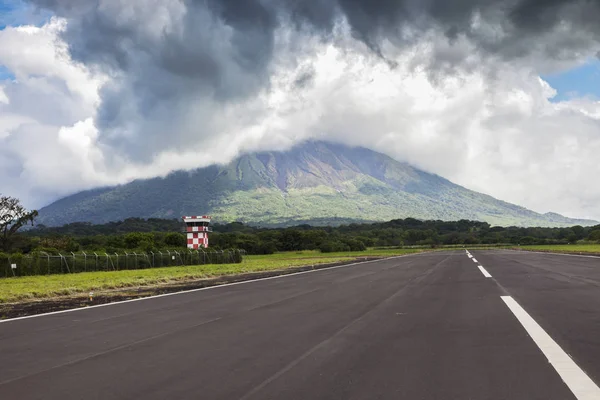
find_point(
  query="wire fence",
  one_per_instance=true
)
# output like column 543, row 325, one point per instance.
column 42, row 263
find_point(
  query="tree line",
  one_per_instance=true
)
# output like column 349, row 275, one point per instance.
column 156, row 234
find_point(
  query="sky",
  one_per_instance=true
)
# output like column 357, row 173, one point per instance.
column 580, row 81
column 502, row 97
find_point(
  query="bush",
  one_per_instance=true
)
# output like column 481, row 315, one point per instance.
column 266, row 248
column 355, row 245
column 175, row 239
column 237, row 256
column 333, row 246
column 134, row 240
column 50, row 250
column 147, row 246
column 528, row 240
column 594, row 236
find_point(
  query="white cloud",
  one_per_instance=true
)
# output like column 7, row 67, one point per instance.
column 49, row 97
column 488, row 124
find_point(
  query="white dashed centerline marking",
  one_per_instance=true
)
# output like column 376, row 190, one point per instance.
column 484, row 272
column 580, row 384
column 474, row 260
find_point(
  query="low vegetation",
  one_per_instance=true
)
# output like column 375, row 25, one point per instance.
column 567, row 249
column 39, row 287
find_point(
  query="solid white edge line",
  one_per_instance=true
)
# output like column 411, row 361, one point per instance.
column 544, row 252
column 574, row 377
column 484, row 272
column 200, row 289
column 550, row 253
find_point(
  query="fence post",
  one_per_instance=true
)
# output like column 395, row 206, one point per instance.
column 10, row 266
column 107, row 260
column 96, row 261
column 48, row 260
column 62, row 261
column 84, row 261
column 117, row 254
column 63, row 258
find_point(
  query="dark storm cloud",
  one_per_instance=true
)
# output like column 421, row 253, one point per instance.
column 96, row 37
column 222, row 50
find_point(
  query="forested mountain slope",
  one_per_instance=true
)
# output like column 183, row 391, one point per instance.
column 316, row 182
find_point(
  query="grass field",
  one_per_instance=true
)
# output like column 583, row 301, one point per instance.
column 39, row 287
column 565, row 248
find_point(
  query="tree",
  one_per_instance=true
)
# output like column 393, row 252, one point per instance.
column 134, row 240
column 175, row 239
column 594, row 235
column 12, row 217
column 291, row 239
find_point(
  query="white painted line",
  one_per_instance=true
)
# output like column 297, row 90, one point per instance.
column 474, row 260
column 204, row 288
column 580, row 384
column 550, row 253
column 484, row 272
column 470, row 256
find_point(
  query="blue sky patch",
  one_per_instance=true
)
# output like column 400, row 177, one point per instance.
column 582, row 81
column 18, row 12
column 10, row 12
column 5, row 74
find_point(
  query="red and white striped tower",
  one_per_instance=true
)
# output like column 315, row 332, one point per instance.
column 197, row 228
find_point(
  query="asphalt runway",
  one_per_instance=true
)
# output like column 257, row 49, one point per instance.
column 509, row 325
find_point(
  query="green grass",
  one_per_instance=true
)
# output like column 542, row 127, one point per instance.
column 566, row 248
column 39, row 287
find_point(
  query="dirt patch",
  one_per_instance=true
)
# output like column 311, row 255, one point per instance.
column 32, row 307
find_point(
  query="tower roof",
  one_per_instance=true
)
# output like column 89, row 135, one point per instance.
column 197, row 218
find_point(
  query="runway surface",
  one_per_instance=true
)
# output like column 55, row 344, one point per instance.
column 443, row 325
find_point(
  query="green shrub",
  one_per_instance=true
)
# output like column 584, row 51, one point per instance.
column 333, row 247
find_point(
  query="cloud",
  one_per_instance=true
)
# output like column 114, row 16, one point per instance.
column 113, row 90
column 49, row 94
column 19, row 12
column 165, row 53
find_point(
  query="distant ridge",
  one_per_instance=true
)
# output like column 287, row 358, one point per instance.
column 315, row 182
